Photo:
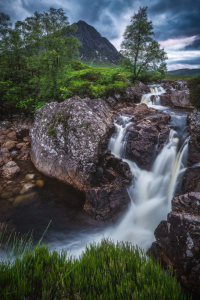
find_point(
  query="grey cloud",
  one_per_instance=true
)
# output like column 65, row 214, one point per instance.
column 195, row 45
column 195, row 61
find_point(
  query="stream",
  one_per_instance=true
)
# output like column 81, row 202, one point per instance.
column 150, row 192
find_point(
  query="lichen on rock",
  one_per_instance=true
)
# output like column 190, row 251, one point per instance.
column 65, row 139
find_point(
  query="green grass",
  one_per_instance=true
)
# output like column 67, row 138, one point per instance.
column 95, row 82
column 103, row 271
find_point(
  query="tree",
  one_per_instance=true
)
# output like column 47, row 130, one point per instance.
column 144, row 52
column 35, row 58
column 51, row 50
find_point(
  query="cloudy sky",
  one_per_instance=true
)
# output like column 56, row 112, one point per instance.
column 176, row 22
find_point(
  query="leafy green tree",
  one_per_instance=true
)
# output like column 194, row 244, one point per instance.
column 36, row 57
column 12, row 71
column 138, row 45
column 51, row 50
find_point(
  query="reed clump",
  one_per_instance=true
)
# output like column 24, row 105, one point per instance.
column 104, row 271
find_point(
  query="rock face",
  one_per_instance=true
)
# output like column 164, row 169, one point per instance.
column 142, row 136
column 194, row 144
column 108, row 198
column 66, row 137
column 178, row 240
column 191, row 180
column 95, row 48
column 177, row 95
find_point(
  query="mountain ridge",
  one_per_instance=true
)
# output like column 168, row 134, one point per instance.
column 185, row 72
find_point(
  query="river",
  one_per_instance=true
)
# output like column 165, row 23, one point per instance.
column 150, row 192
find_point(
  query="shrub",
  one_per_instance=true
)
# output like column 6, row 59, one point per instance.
column 194, row 87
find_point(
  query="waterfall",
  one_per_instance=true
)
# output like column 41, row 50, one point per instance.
column 156, row 91
column 117, row 143
column 151, row 191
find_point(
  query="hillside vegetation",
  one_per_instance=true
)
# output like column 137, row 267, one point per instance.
column 176, row 77
column 185, row 72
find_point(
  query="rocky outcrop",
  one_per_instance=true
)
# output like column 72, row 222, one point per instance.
column 194, row 143
column 66, row 138
column 108, row 198
column 191, row 180
column 147, row 134
column 177, row 94
column 176, row 98
column 133, row 94
column 178, row 240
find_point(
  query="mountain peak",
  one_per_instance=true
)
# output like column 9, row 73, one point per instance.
column 95, row 48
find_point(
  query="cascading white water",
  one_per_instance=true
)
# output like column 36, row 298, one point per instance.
column 151, row 192
column 116, row 143
column 156, row 91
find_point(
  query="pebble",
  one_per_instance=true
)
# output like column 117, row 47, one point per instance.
column 40, row 183
column 20, row 145
column 9, row 145
column 6, row 194
column 29, row 177
column 16, row 190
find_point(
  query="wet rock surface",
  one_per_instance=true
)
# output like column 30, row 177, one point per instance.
column 146, row 135
column 177, row 94
column 194, row 144
column 178, row 240
column 191, row 180
column 108, row 198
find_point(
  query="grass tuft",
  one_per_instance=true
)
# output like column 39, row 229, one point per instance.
column 104, row 271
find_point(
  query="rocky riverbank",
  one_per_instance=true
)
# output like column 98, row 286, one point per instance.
column 68, row 141
column 178, row 239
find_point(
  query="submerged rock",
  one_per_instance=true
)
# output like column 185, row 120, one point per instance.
column 66, row 138
column 27, row 187
column 178, row 240
column 29, row 177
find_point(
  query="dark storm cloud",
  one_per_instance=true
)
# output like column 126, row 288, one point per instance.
column 95, row 13
column 195, row 61
column 180, row 18
column 172, row 19
column 195, row 45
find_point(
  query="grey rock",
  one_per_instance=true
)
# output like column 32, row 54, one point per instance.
column 10, row 169
column 178, row 240
column 66, row 138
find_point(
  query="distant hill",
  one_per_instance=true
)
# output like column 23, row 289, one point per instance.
column 95, row 48
column 185, row 72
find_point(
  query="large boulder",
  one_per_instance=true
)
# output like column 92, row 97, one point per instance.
column 178, row 240
column 66, row 138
